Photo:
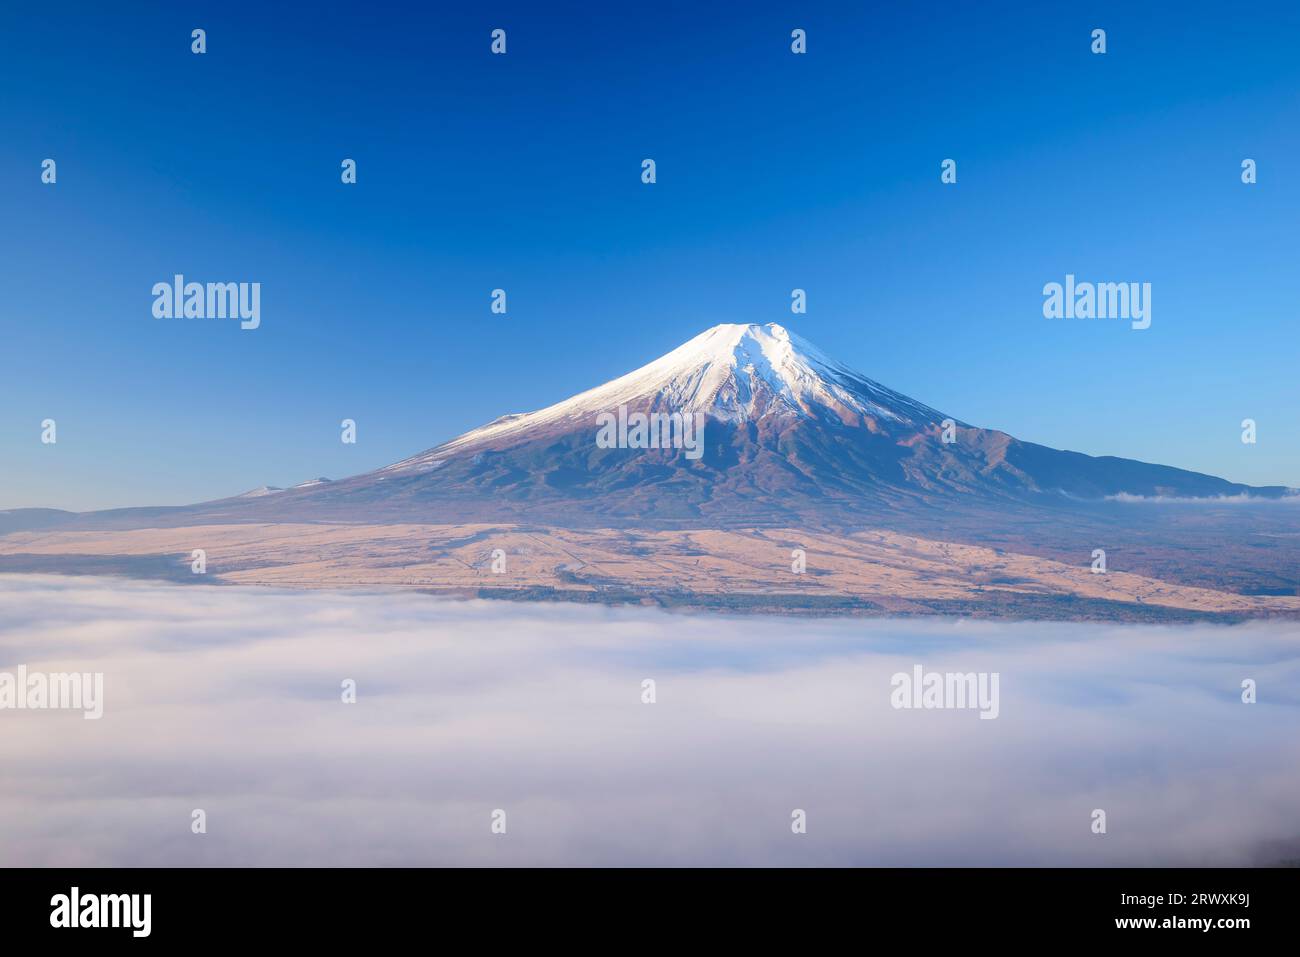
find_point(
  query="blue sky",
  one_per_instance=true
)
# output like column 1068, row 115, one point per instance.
column 522, row 171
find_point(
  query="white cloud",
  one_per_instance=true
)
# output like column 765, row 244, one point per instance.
column 227, row 699
column 1291, row 498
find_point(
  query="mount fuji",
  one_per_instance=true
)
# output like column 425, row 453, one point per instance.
column 897, row 508
column 789, row 434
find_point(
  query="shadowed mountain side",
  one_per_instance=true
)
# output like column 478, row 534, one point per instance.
column 752, row 474
column 748, row 475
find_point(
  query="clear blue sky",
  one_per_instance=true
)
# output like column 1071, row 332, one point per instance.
column 775, row 171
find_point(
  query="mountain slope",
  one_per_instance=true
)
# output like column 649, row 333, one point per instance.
column 787, row 434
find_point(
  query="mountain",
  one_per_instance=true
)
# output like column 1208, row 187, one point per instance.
column 786, row 433
column 765, row 445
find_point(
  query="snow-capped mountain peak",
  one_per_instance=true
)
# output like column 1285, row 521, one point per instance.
column 739, row 373
column 734, row 373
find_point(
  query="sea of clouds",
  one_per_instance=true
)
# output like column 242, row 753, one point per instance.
column 229, row 700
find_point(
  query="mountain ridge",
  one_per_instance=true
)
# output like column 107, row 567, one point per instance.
column 790, row 431
column 790, row 434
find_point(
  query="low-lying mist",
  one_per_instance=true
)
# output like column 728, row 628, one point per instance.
column 229, row 700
